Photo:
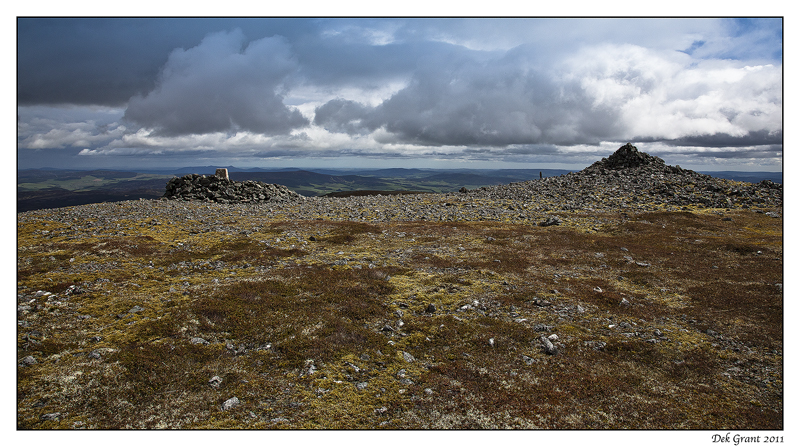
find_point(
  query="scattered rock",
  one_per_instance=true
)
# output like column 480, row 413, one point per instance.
column 50, row 417
column 233, row 402
column 310, row 368
column 408, row 357
column 215, row 382
column 595, row 344
column 550, row 221
column 430, row 309
column 549, row 347
column 28, row 361
column 540, row 302
column 198, row 341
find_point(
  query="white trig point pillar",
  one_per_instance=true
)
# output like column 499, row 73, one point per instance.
column 222, row 173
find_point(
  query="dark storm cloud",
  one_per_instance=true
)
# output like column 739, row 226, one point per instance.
column 104, row 61
column 469, row 99
column 222, row 85
column 335, row 62
column 752, row 138
column 341, row 115
column 89, row 61
column 757, row 152
column 534, row 150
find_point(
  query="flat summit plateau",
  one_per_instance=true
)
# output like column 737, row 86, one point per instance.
column 629, row 295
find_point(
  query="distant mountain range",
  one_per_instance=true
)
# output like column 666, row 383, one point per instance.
column 51, row 188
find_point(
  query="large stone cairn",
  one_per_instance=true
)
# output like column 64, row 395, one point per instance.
column 628, row 157
column 646, row 177
column 219, row 188
column 633, row 180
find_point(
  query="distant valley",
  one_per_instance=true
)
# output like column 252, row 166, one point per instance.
column 53, row 188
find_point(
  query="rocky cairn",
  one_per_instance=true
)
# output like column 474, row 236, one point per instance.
column 219, row 188
column 632, row 179
column 628, row 157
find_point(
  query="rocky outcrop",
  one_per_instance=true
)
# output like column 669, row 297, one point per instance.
column 633, row 180
column 220, row 189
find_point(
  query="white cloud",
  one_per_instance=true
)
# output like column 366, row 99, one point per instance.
column 669, row 95
column 42, row 127
column 221, row 85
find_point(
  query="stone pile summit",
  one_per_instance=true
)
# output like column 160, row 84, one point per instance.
column 219, row 188
column 630, row 179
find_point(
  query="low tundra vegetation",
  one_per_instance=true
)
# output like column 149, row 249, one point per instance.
column 666, row 320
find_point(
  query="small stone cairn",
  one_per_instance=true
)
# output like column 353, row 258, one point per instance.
column 220, row 188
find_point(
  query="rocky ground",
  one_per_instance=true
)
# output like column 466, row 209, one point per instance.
column 631, row 294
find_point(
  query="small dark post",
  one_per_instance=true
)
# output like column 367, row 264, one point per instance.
column 540, row 175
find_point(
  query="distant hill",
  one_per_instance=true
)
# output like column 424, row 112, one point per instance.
column 58, row 198
column 750, row 177
column 52, row 188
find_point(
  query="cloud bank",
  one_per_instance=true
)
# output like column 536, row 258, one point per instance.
column 469, row 89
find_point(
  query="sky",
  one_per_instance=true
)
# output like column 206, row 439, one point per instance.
column 560, row 93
